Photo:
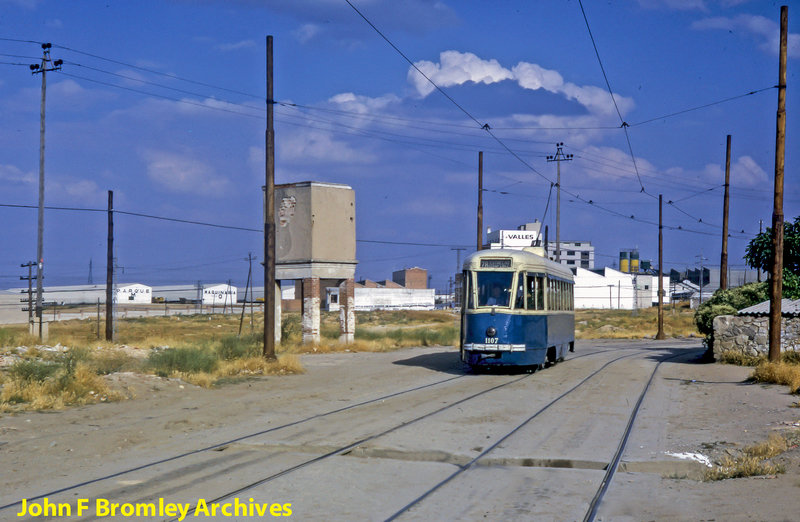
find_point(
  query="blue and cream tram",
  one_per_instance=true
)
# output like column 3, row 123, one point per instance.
column 517, row 309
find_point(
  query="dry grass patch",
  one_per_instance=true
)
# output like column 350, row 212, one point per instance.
column 243, row 368
column 779, row 373
column 376, row 331
column 740, row 359
column 629, row 324
column 53, row 388
column 752, row 461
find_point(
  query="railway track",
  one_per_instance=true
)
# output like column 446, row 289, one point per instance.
column 220, row 462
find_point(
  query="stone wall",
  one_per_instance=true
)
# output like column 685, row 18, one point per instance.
column 750, row 335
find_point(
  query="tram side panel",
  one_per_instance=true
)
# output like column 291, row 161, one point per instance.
column 518, row 340
column 561, row 332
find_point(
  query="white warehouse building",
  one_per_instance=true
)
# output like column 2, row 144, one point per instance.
column 133, row 293
column 219, row 295
column 614, row 290
column 385, row 299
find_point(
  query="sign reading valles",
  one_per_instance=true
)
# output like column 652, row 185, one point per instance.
column 101, row 508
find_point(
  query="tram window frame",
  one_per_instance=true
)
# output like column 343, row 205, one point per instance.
column 534, row 291
column 519, row 298
column 482, row 287
column 468, row 290
column 572, row 296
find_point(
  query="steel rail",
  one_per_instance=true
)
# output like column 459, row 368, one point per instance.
column 612, row 467
column 344, row 449
column 228, row 442
column 505, row 437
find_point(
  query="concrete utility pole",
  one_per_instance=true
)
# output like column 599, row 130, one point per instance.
column 44, row 67
column 30, row 301
column 723, row 264
column 269, row 221
column 110, row 270
column 776, row 275
column 660, row 333
column 458, row 258
column 558, row 158
column 700, row 280
column 480, row 200
column 246, row 288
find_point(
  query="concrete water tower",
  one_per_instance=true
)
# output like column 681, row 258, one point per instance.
column 315, row 244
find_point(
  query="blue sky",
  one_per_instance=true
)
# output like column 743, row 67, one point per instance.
column 163, row 103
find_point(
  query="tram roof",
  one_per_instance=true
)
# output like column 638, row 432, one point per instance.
column 531, row 261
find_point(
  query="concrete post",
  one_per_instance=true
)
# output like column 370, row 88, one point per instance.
column 347, row 314
column 277, row 312
column 311, row 313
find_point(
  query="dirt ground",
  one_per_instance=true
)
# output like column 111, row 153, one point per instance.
column 693, row 408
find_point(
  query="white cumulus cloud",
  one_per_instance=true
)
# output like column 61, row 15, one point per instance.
column 185, row 174
column 457, row 68
column 363, row 104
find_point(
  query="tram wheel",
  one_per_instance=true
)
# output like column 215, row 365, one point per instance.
column 550, row 360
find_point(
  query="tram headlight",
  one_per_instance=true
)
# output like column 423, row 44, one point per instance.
column 491, row 331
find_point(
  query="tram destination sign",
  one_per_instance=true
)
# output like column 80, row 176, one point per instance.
column 496, row 263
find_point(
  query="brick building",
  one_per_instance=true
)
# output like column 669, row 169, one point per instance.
column 411, row 277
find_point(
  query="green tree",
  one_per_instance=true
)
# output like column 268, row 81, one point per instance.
column 758, row 254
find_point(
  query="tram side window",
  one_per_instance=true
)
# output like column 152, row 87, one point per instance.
column 570, row 296
column 559, row 295
column 535, row 292
column 468, row 293
column 520, row 299
column 494, row 288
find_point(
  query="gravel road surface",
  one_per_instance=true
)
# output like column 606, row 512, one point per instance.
column 409, row 434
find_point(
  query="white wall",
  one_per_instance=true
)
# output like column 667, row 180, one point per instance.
column 134, row 294
column 612, row 290
column 219, row 295
column 395, row 298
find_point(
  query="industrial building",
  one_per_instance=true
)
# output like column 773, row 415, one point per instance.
column 411, row 277
column 573, row 253
column 134, row 294
column 219, row 295
column 612, row 289
column 124, row 293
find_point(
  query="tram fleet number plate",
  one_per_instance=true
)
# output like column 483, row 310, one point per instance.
column 495, row 263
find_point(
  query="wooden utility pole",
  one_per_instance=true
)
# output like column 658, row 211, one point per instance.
column 46, row 65
column 480, row 200
column 558, row 158
column 723, row 263
column 269, row 221
column 110, row 270
column 246, row 288
column 760, row 229
column 776, row 275
column 546, row 241
column 660, row 333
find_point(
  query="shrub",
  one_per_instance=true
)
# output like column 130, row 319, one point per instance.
column 33, row 370
column 104, row 362
column 726, row 302
column 187, row 360
column 233, row 347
